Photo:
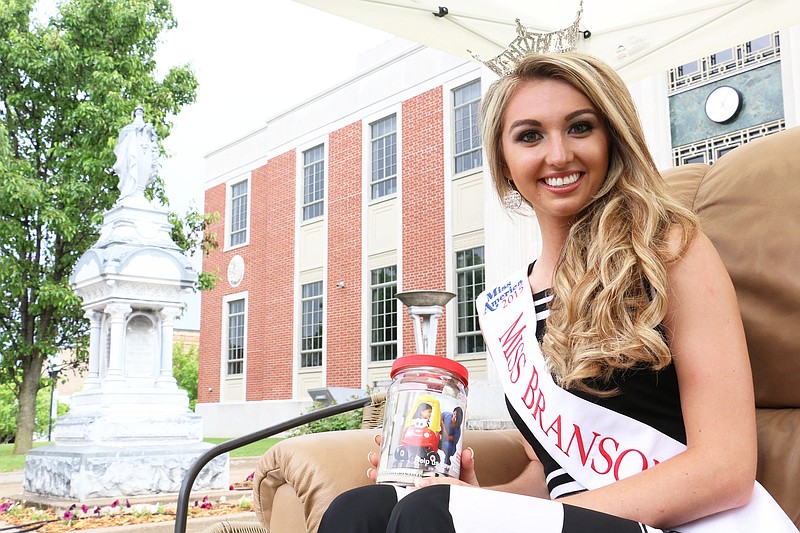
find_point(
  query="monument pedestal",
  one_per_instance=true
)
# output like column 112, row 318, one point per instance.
column 129, row 431
column 94, row 471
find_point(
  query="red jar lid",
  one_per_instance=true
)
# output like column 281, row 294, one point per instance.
column 435, row 361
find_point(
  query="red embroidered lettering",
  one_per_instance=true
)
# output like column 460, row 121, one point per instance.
column 605, row 455
column 511, row 339
column 539, row 408
column 533, row 384
column 619, row 462
column 578, row 437
column 556, row 427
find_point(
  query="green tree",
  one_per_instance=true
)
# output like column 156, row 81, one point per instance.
column 9, row 409
column 67, row 86
column 185, row 364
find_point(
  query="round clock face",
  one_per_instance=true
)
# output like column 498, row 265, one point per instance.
column 723, row 104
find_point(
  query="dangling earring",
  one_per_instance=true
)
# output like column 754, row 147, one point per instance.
column 512, row 199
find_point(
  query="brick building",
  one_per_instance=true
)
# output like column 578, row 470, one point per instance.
column 377, row 186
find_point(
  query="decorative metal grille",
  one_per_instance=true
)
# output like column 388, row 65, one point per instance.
column 741, row 57
column 709, row 150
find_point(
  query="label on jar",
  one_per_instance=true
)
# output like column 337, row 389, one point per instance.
column 421, row 437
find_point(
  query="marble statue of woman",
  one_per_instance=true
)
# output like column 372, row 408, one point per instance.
column 137, row 157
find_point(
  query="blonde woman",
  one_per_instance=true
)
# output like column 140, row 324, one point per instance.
column 620, row 349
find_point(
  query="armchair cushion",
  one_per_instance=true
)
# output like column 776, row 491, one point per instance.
column 300, row 476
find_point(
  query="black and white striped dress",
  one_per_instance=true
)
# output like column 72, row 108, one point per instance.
column 651, row 397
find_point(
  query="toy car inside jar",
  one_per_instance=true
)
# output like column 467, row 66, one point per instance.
column 424, row 419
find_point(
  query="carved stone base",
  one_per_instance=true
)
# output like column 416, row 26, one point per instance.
column 85, row 472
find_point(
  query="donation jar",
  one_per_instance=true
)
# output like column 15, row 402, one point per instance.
column 424, row 420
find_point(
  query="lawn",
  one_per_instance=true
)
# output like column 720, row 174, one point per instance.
column 14, row 463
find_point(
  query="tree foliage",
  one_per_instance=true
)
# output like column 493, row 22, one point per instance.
column 67, row 86
column 9, row 408
column 185, row 365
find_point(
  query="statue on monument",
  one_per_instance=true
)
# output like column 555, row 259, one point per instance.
column 137, row 156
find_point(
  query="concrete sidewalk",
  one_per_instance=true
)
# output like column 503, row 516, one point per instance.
column 240, row 469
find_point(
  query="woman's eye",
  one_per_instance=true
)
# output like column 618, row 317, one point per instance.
column 530, row 136
column 580, row 127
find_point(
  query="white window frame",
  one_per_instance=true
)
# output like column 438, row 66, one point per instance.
column 459, row 303
column 302, row 182
column 371, row 140
column 229, row 212
column 453, row 131
column 321, row 349
column 392, row 301
column 225, row 326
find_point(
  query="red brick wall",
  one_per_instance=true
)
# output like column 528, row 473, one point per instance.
column 423, row 204
column 345, row 196
column 268, row 280
column 270, row 273
column 211, row 304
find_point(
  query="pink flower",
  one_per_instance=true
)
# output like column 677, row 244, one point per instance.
column 127, row 503
column 85, row 508
column 250, row 477
column 97, row 510
column 114, row 504
column 72, row 507
column 68, row 516
column 7, row 505
column 231, row 488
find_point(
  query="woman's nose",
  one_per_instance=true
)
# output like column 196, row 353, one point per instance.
column 558, row 152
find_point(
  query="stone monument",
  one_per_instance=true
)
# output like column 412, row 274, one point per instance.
column 129, row 431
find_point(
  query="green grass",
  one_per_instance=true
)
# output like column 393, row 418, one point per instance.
column 256, row 449
column 14, row 463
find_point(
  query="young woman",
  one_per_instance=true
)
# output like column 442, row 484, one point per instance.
column 635, row 393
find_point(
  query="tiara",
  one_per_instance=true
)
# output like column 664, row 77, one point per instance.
column 529, row 41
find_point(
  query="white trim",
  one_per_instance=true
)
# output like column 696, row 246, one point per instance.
column 223, row 359
column 229, row 211
column 395, row 109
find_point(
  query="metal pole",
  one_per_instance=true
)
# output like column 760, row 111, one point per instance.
column 182, row 508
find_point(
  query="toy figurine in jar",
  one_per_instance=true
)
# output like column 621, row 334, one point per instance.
column 424, row 418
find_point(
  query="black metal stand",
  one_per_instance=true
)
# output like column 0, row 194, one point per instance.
column 182, row 509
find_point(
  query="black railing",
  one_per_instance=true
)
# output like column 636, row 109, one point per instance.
column 182, row 509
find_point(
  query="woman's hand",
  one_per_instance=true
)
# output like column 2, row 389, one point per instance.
column 468, row 476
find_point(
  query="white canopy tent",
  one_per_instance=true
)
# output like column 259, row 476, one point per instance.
column 637, row 37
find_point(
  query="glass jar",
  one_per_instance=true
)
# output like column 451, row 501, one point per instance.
column 424, row 419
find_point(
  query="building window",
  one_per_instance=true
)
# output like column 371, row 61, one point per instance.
column 467, row 148
column 725, row 63
column 383, row 285
column 313, row 182
column 311, row 335
column 383, row 135
column 236, row 319
column 238, row 224
column 469, row 283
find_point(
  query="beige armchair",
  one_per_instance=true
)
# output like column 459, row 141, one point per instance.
column 749, row 204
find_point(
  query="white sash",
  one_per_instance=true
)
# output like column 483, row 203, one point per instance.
column 595, row 445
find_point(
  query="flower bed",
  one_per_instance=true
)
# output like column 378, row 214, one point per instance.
column 119, row 513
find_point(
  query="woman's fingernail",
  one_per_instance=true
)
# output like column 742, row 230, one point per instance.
column 369, row 457
column 471, row 450
column 376, row 439
column 369, row 471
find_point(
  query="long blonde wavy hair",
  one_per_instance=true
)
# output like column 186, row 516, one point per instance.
column 610, row 282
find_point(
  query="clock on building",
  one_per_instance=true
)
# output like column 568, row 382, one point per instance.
column 723, row 104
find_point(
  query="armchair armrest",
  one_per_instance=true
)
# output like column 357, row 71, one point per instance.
column 296, row 479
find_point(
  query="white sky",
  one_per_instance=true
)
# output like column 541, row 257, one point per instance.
column 253, row 59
